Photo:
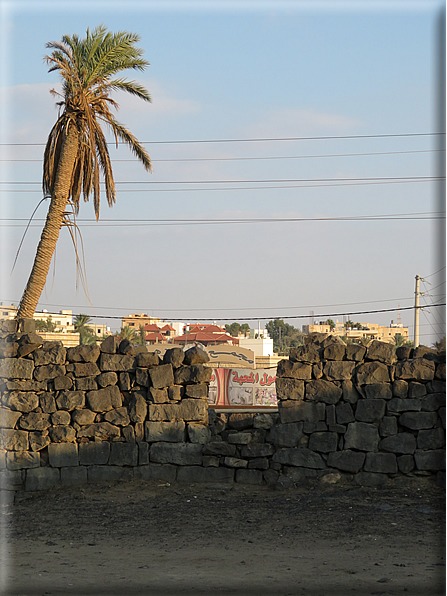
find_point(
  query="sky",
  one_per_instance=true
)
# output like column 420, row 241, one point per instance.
column 311, row 113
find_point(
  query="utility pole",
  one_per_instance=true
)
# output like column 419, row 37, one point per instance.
column 416, row 311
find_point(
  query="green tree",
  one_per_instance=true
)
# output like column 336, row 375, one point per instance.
column 331, row 323
column 76, row 149
column 46, row 326
column 127, row 332
column 86, row 333
column 284, row 336
column 440, row 345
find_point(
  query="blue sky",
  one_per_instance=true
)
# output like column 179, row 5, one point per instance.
column 243, row 71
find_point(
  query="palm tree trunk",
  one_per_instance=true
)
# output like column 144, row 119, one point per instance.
column 50, row 232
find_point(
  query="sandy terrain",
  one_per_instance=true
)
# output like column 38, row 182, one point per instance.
column 139, row 538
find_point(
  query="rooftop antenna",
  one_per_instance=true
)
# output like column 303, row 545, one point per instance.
column 399, row 320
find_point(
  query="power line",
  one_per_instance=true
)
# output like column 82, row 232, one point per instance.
column 438, row 271
column 193, row 159
column 254, row 140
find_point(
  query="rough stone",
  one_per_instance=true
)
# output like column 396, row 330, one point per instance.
column 383, row 463
column 116, row 363
column 195, row 355
column 432, row 402
column 83, row 416
column 362, row 436
column 161, row 376
column 50, row 371
column 170, row 432
column 38, row 440
column 95, row 453
column 74, row 476
column 86, row 384
column 309, row 354
column 83, row 369
column 158, row 396
column 323, row 391
column 264, row 421
column 301, row 411
column 338, row 370
column 142, row 377
column 110, row 345
column 199, row 433
column 292, row 389
column 54, row 355
column 13, row 368
column 405, row 463
column 418, row 420
column 347, row 461
column 20, row 460
column 372, row 372
column 355, row 352
column 61, row 383
column 35, row 421
column 419, row 369
column 105, row 399
column 137, row 407
column 199, row 391
column 388, row 426
column 416, row 390
column 8, row 418
column 197, row 373
column 14, row 440
column 175, row 393
column 118, row 417
column 402, row 443
column 301, row 457
column 100, row 430
column 370, row 410
column 294, row 370
column 239, row 438
column 181, row 454
column 123, row 454
column 175, row 356
column 187, row 409
column 378, row 391
column 219, row 448
column 350, row 393
column 19, row 401
column 107, row 379
column 147, row 359
column 240, row 421
column 398, row 405
column 69, row 400
column 400, row 388
column 83, row 353
column 40, row 479
column 63, row 455
column 344, row 413
column 433, row 460
column 381, row 351
column 235, row 462
column 431, row 439
column 323, row 442
column 62, row 434
column 334, row 351
column 257, row 450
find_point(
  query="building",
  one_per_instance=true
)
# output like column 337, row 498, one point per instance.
column 136, row 320
column 366, row 331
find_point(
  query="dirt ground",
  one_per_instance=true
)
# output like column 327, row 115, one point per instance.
column 156, row 539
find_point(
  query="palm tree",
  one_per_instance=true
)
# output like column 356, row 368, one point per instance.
column 127, row 333
column 86, row 334
column 76, row 148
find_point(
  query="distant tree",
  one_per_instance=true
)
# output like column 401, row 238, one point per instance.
column 46, row 326
column 141, row 339
column 331, row 323
column 400, row 340
column 233, row 329
column 440, row 345
column 284, row 336
column 127, row 332
column 86, row 333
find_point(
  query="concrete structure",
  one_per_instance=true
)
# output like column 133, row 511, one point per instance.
column 368, row 331
column 136, row 320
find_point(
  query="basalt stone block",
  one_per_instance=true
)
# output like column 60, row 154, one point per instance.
column 38, row 440
column 118, row 417
column 123, row 454
column 14, row 440
column 75, row 476
column 104, row 399
column 147, row 359
column 21, row 460
column 378, row 391
column 21, row 401
column 8, row 418
column 317, row 370
column 309, row 354
column 259, row 463
column 16, row 385
column 323, row 442
column 235, row 462
column 54, row 355
column 83, row 416
column 116, row 363
column 313, row 427
column 175, row 356
column 181, row 454
column 143, row 453
column 388, row 426
column 355, row 352
column 402, row 443
column 381, row 351
column 63, row 455
column 199, row 433
column 371, row 479
column 39, row 479
column 107, row 379
column 62, row 434
column 35, row 421
column 161, row 473
column 294, row 370
column 195, row 355
column 95, row 453
column 61, row 383
column 213, row 475
column 129, row 433
column 347, row 461
column 431, row 439
column 404, row 352
column 291, row 411
column 197, row 373
column 338, row 370
column 16, row 368
column 240, row 421
column 175, row 393
column 432, row 402
column 350, row 393
column 105, row 473
column 137, row 407
column 436, row 386
column 110, row 345
column 142, row 377
column 187, row 409
column 440, row 371
column 300, row 457
column 169, row 432
column 405, row 463
column 124, row 381
column 416, row 390
column 60, row 417
column 316, row 338
column 83, row 369
column 264, row 421
column 69, row 400
column 257, row 450
column 83, row 354
column 372, row 372
column 86, row 384
column 419, row 369
column 253, row 477
column 219, row 448
column 382, row 463
column 344, row 413
column 418, row 420
column 398, row 405
column 100, row 430
column 334, row 351
column 161, row 376
column 338, row 428
column 286, row 435
column 362, row 436
column 433, row 460
column 400, row 388
column 370, row 410
column 239, row 438
column 50, row 371
column 199, row 391
column 158, row 396
column 289, row 388
column 323, row 391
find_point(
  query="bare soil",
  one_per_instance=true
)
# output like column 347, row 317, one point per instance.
column 153, row 539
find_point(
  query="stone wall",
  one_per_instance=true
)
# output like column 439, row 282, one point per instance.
column 88, row 414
